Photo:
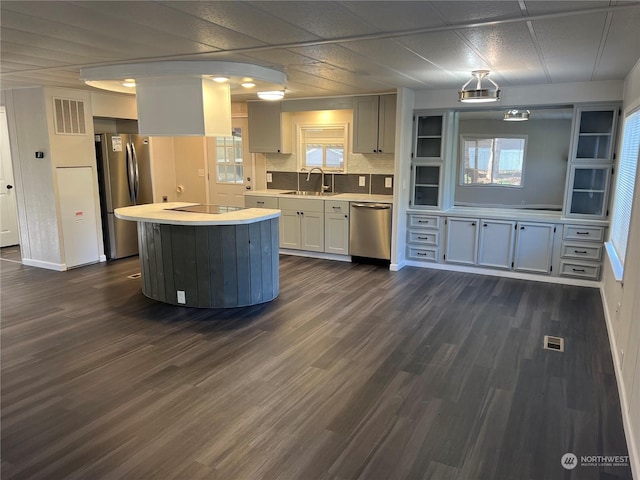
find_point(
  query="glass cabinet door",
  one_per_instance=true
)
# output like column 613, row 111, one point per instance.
column 426, row 185
column 428, row 137
column 595, row 135
column 589, row 190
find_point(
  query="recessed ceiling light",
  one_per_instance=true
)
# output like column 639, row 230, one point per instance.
column 248, row 84
column 272, row 95
column 129, row 82
column 479, row 94
column 220, row 79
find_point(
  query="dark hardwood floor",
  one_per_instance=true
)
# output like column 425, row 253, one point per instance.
column 353, row 372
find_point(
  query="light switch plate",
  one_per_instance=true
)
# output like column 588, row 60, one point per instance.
column 201, row 172
column 269, row 177
column 362, row 181
column 388, row 182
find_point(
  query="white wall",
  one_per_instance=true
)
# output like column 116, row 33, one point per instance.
column 622, row 304
column 114, row 105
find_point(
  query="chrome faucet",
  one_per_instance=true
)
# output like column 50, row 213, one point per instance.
column 324, row 187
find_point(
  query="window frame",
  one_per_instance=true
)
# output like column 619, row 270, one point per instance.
column 472, row 136
column 301, row 149
column 623, row 213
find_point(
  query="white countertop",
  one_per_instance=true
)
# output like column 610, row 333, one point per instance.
column 348, row 197
column 158, row 213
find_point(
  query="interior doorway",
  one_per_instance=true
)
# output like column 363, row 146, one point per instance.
column 230, row 166
column 9, row 234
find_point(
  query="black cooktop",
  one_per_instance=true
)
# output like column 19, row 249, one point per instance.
column 203, row 208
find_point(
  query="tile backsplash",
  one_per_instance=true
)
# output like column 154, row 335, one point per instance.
column 340, row 183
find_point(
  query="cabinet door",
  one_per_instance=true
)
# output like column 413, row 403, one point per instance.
column 496, row 243
column 426, row 185
column 268, row 128
column 534, row 245
column 312, row 231
column 365, row 124
column 588, row 191
column 428, row 137
column 387, row 124
column 594, row 135
column 336, row 238
column 290, row 229
column 462, row 240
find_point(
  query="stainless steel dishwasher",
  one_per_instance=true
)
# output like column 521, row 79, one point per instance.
column 370, row 230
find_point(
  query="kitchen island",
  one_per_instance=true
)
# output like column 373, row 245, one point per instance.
column 206, row 255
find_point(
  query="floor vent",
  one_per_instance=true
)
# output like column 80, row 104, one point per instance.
column 135, row 275
column 554, row 343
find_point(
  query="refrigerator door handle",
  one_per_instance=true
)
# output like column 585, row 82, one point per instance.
column 136, row 177
column 130, row 174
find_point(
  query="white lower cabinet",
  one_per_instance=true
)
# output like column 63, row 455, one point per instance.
column 302, row 224
column 336, row 227
column 534, row 247
column 495, row 249
column 462, row 241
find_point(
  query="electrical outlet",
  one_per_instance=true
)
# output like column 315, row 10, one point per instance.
column 201, row 172
column 269, row 177
column 388, row 182
column 165, row 199
column 181, row 297
column 362, row 181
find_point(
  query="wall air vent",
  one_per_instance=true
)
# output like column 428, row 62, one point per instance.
column 69, row 116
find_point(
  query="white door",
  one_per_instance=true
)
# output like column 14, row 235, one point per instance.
column 78, row 214
column 8, row 211
column 230, row 166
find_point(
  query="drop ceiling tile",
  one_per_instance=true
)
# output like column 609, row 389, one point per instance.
column 621, row 46
column 570, row 45
column 171, row 29
column 394, row 16
column 464, row 11
column 246, row 19
column 539, row 7
column 324, row 19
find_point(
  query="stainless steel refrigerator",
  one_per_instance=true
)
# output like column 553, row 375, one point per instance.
column 124, row 177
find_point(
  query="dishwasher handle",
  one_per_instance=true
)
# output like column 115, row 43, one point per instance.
column 373, row 206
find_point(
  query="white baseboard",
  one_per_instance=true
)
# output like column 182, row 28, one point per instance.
column 59, row 267
column 102, row 258
column 394, row 267
column 632, row 446
column 505, row 273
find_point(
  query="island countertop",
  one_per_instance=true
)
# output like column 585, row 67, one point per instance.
column 162, row 213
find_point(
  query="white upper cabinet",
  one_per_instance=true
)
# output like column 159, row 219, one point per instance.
column 594, row 133
column 374, row 124
column 270, row 129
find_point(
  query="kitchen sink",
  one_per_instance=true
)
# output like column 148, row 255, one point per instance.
column 307, row 193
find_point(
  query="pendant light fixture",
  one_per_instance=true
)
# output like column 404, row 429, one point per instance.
column 517, row 116
column 479, row 94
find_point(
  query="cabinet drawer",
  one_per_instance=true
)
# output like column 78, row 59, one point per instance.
column 424, row 238
column 254, row 201
column 424, row 221
column 424, row 254
column 582, row 250
column 584, row 233
column 587, row 271
column 336, row 206
column 308, row 205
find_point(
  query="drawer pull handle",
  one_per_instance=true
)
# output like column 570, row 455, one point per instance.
column 580, row 251
column 423, row 238
column 421, row 254
column 423, row 221
column 578, row 269
column 582, row 233
column 334, row 207
column 260, row 203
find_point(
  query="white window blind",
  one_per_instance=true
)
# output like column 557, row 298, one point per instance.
column 623, row 199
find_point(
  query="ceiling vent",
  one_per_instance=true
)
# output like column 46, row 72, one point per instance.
column 69, row 116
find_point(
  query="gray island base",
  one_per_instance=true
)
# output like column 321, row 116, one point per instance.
column 230, row 262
